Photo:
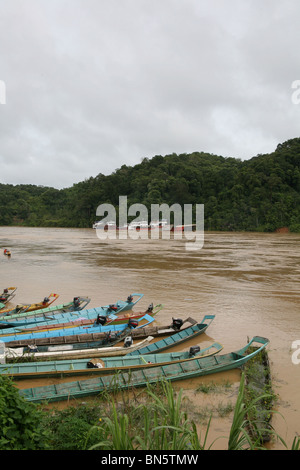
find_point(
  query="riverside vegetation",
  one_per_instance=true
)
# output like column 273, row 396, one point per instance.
column 159, row 423
column 260, row 194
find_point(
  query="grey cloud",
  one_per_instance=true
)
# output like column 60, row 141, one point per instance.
column 95, row 84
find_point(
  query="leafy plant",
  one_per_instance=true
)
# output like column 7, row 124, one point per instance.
column 19, row 421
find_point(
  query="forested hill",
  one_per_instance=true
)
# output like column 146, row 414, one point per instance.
column 260, row 194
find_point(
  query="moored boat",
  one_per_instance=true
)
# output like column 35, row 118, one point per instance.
column 164, row 344
column 140, row 378
column 20, row 308
column 178, row 337
column 99, row 340
column 7, row 294
column 44, row 314
column 129, row 345
column 70, row 331
column 28, row 318
column 86, row 318
column 94, row 339
column 103, row 365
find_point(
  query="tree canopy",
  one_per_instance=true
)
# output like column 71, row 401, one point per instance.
column 260, row 194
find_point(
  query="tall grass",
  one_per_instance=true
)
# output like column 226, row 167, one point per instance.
column 160, row 424
column 157, row 422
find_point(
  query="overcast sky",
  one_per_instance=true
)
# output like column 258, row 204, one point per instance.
column 91, row 85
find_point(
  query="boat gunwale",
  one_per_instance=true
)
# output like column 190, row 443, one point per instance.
column 87, row 387
column 213, row 349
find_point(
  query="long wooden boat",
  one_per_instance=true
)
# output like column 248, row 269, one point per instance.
column 79, row 350
column 179, row 337
column 108, row 340
column 48, row 313
column 117, row 307
column 88, row 318
column 94, row 339
column 140, row 378
column 72, row 331
column 20, row 308
column 79, row 353
column 7, row 294
column 95, row 365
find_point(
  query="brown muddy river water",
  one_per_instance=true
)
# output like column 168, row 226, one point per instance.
column 249, row 281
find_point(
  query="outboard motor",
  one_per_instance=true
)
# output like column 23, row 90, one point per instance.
column 194, row 350
column 150, row 308
column 133, row 323
column 76, row 302
column 177, row 323
column 100, row 320
column 129, row 299
column 46, row 300
column 110, row 337
column 113, row 307
column 128, row 341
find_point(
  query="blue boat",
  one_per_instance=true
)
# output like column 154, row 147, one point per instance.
column 74, row 331
column 89, row 314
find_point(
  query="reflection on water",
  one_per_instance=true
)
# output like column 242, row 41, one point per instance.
column 249, row 281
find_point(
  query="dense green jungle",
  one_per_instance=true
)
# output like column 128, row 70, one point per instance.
column 259, row 194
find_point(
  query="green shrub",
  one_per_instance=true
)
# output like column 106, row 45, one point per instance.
column 19, row 421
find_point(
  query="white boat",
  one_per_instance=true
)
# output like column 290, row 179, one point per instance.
column 106, row 225
column 161, row 224
column 63, row 352
column 140, row 225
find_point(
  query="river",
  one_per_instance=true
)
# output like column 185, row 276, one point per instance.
column 249, row 281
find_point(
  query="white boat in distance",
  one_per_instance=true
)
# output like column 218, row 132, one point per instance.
column 140, row 225
column 103, row 225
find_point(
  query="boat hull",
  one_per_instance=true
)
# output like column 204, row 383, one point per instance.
column 48, row 325
column 78, row 354
column 143, row 377
column 31, row 307
column 94, row 365
column 94, row 338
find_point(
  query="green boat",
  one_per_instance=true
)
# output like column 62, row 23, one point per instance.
column 78, row 304
column 177, row 338
column 45, row 314
column 140, row 378
column 102, row 365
